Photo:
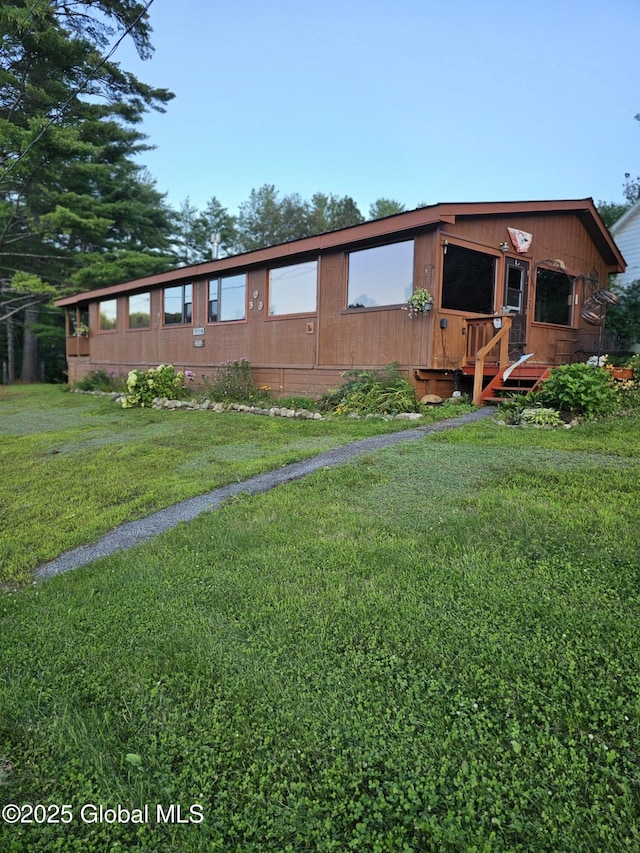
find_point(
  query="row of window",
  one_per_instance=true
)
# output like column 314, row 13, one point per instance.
column 379, row 276
column 376, row 277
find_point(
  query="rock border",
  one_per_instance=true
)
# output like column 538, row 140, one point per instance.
column 195, row 405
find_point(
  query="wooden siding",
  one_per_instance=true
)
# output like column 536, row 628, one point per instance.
column 306, row 353
column 627, row 235
column 555, row 237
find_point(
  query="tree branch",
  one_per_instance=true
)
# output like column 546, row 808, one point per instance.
column 34, row 301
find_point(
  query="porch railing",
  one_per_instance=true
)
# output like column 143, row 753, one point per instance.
column 487, row 340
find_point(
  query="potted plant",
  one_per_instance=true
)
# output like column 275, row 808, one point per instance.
column 82, row 330
column 420, row 302
column 622, row 373
column 619, row 373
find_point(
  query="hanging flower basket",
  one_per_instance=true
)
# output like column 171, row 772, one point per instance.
column 419, row 303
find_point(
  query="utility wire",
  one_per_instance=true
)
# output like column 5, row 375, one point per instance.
column 60, row 113
column 28, row 13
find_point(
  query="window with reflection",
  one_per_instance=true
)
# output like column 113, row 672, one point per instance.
column 380, row 276
column 554, row 297
column 140, row 311
column 108, row 312
column 227, row 299
column 293, row 289
column 177, row 304
column 468, row 280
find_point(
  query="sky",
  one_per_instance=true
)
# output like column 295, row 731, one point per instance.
column 421, row 101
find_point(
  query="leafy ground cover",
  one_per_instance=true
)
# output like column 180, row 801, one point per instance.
column 435, row 648
column 74, row 466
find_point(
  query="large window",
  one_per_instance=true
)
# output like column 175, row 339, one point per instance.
column 554, row 297
column 227, row 298
column 177, row 304
column 468, row 280
column 380, row 276
column 108, row 312
column 292, row 290
column 140, row 311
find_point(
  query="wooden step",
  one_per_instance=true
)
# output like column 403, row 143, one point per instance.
column 522, row 379
column 517, row 388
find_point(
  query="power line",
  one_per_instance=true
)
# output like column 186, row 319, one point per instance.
column 60, row 113
column 28, row 14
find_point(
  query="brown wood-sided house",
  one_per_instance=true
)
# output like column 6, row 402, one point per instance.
column 507, row 279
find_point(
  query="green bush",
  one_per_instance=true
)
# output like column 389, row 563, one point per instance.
column 100, row 380
column 145, row 386
column 385, row 392
column 234, row 384
column 579, row 389
column 528, row 410
column 634, row 364
column 540, row 416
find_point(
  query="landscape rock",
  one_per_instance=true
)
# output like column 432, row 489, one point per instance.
column 408, row 416
column 196, row 405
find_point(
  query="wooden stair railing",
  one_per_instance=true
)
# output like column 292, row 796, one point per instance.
column 500, row 339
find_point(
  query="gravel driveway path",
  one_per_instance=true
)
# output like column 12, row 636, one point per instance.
column 133, row 532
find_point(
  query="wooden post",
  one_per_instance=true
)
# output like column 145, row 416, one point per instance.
column 502, row 339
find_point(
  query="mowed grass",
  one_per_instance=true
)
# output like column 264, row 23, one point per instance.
column 74, row 466
column 434, row 648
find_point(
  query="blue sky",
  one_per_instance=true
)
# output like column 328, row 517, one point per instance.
column 474, row 100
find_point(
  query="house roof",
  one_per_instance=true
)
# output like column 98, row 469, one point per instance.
column 407, row 222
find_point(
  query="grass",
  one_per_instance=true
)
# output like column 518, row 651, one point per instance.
column 75, row 466
column 434, row 648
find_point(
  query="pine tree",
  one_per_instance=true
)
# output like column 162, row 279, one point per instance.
column 71, row 196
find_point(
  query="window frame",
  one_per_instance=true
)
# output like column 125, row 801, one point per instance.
column 218, row 282
column 480, row 249
column 518, row 288
column 129, row 312
column 184, row 321
column 77, row 317
column 570, row 305
column 379, row 246
column 270, row 289
column 113, row 328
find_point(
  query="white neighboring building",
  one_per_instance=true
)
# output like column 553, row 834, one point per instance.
column 626, row 233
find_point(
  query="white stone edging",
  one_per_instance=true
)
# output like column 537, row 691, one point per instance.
column 273, row 411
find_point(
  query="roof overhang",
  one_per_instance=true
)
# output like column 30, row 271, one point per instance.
column 398, row 225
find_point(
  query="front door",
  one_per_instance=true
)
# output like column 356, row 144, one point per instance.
column 516, row 279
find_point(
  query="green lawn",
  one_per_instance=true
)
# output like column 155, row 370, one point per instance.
column 74, row 466
column 433, row 648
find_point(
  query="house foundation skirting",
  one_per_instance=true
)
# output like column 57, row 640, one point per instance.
column 303, row 380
